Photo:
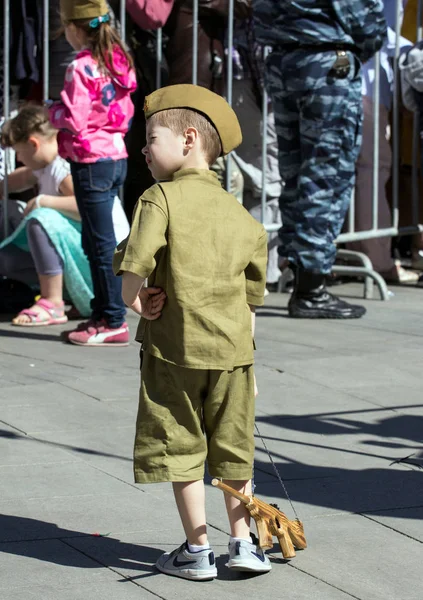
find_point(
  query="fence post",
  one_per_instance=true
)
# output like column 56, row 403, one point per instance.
column 159, row 58
column 264, row 110
column 123, row 20
column 416, row 136
column 395, row 120
column 376, row 133
column 195, row 42
column 6, row 108
column 229, row 82
column 46, row 41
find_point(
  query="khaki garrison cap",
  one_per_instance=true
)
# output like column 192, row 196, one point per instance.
column 82, row 9
column 202, row 100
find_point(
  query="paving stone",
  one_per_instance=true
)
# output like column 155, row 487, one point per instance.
column 290, row 395
column 45, row 562
column 118, row 388
column 227, row 585
column 408, row 521
column 131, row 510
column 339, row 406
column 357, row 441
column 17, row 449
column 362, row 557
column 64, row 479
column 394, row 396
column 310, row 460
column 110, row 449
column 369, row 491
column 65, row 410
column 356, row 371
column 113, row 589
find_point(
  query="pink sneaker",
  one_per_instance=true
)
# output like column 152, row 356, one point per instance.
column 81, row 327
column 99, row 334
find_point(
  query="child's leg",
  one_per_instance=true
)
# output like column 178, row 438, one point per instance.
column 51, row 287
column 238, row 515
column 190, row 500
column 194, row 559
column 49, row 267
column 48, row 263
column 96, row 186
column 229, row 424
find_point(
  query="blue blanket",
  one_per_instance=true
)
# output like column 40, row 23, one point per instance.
column 65, row 235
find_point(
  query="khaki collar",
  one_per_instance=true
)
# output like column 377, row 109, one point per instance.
column 204, row 174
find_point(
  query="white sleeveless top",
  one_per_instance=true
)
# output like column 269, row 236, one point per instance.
column 50, row 179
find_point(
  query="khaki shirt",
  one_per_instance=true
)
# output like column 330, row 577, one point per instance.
column 194, row 240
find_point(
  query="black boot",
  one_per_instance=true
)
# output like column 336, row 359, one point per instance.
column 311, row 300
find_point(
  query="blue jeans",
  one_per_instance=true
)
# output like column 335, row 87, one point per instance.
column 96, row 185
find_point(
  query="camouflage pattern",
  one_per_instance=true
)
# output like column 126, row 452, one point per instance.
column 359, row 24
column 318, row 116
column 318, row 124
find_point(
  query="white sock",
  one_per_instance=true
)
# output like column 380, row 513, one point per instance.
column 237, row 539
column 195, row 548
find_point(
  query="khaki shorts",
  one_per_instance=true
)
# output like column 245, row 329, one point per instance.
column 187, row 416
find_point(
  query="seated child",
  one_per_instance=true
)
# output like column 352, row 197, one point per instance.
column 45, row 242
column 205, row 259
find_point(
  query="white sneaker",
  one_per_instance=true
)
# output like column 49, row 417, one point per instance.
column 199, row 566
column 245, row 556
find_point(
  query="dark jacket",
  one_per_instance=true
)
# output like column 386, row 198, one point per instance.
column 358, row 24
column 212, row 24
column 25, row 41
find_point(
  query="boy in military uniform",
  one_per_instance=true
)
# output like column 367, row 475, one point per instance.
column 205, row 260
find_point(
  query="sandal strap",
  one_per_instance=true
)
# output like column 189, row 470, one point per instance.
column 56, row 312
column 52, row 309
column 47, row 305
column 28, row 312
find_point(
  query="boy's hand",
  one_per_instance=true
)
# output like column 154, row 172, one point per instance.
column 255, row 388
column 152, row 301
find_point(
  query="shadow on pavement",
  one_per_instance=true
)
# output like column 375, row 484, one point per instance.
column 228, row 575
column 11, row 435
column 370, row 490
column 74, row 548
column 23, row 332
column 401, row 426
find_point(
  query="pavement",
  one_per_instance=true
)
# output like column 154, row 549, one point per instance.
column 340, row 409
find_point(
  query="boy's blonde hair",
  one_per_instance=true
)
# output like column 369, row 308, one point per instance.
column 179, row 119
column 31, row 119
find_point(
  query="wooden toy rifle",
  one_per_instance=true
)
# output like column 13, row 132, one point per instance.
column 270, row 521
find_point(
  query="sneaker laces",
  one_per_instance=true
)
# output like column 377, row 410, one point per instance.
column 181, row 548
column 85, row 325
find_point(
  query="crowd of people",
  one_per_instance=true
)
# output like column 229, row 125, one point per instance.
column 75, row 156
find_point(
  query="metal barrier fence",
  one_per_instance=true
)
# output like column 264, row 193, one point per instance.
column 350, row 235
column 375, row 232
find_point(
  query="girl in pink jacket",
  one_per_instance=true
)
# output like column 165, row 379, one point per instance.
column 93, row 116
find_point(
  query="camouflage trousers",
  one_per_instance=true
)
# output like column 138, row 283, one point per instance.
column 318, row 123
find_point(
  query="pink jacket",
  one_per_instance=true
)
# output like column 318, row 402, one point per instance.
column 95, row 111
